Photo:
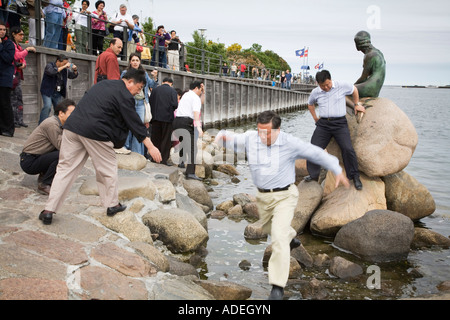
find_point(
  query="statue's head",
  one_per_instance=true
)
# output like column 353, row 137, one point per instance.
column 362, row 41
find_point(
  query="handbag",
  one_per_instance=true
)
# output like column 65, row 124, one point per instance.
column 148, row 112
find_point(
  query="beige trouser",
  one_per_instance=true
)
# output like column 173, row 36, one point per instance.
column 173, row 59
column 75, row 150
column 276, row 210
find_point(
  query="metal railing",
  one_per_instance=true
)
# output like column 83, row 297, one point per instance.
column 192, row 59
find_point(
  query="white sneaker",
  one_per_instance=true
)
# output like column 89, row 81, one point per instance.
column 122, row 150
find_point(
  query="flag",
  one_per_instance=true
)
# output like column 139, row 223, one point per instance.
column 319, row 66
column 306, row 53
column 300, row 53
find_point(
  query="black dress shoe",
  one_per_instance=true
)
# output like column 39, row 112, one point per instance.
column 181, row 165
column 21, row 124
column 309, row 179
column 7, row 134
column 357, row 182
column 192, row 176
column 277, row 293
column 295, row 243
column 46, row 216
column 111, row 211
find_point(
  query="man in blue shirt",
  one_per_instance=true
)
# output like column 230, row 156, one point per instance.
column 271, row 157
column 330, row 98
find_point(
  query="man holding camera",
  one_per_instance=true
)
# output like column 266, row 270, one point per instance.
column 173, row 51
column 54, row 83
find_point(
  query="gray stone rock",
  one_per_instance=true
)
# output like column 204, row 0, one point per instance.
column 345, row 205
column 378, row 236
column 177, row 229
column 310, row 196
column 406, row 195
column 344, row 269
column 197, row 192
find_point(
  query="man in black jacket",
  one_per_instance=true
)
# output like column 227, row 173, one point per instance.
column 99, row 124
column 163, row 102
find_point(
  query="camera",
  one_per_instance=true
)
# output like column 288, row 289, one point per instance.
column 18, row 64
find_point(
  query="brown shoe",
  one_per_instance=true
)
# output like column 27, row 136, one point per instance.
column 44, row 188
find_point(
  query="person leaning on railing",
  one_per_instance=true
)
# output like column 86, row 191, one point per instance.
column 99, row 19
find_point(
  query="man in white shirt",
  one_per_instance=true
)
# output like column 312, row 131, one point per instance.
column 81, row 31
column 330, row 98
column 187, row 125
column 271, row 157
column 122, row 21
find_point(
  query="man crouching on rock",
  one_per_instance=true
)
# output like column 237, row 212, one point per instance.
column 271, row 157
column 99, row 123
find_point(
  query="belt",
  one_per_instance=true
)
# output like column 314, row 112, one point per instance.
column 275, row 189
column 333, row 119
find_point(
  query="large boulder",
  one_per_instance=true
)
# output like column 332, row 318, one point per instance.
column 178, row 230
column 310, row 196
column 406, row 195
column 384, row 140
column 378, row 236
column 345, row 205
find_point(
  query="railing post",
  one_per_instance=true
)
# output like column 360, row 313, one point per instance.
column 125, row 44
column 89, row 31
column 203, row 61
column 37, row 23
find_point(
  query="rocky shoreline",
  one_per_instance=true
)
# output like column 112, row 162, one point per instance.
column 151, row 250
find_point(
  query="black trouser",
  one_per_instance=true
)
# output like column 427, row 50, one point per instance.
column 336, row 128
column 161, row 137
column 98, row 37
column 6, row 111
column 44, row 164
column 184, row 129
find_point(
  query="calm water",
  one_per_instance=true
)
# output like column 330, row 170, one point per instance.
column 429, row 111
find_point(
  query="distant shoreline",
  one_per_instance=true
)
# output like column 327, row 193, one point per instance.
column 419, row 87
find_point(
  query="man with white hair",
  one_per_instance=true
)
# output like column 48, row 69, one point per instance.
column 122, row 21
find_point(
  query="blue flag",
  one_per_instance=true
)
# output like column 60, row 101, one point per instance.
column 300, row 53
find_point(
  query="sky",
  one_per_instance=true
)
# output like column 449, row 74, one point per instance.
column 414, row 36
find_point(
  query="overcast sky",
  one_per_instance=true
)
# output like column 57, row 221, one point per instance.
column 414, row 36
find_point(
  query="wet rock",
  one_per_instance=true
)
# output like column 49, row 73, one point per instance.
column 424, row 238
column 177, row 288
column 225, row 290
column 379, row 235
column 344, row 269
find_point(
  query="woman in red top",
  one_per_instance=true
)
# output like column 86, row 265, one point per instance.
column 20, row 64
